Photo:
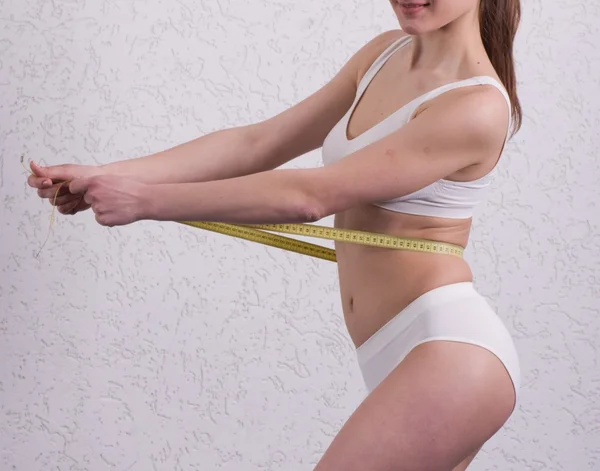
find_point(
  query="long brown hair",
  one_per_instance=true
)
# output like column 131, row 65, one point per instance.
column 499, row 21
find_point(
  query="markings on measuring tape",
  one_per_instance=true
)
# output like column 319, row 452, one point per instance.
column 261, row 233
column 265, row 238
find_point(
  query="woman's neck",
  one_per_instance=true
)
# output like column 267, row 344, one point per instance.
column 449, row 49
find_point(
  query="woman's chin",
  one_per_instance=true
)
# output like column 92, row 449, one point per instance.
column 414, row 26
column 412, row 29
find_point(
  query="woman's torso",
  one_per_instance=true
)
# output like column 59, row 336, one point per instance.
column 376, row 284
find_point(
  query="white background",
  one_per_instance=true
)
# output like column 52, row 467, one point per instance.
column 160, row 347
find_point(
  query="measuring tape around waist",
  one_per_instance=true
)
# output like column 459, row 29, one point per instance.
column 262, row 233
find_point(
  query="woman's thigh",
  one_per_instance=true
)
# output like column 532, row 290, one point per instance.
column 432, row 413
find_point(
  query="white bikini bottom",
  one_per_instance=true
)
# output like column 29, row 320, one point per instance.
column 455, row 312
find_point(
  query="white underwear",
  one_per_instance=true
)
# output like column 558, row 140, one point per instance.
column 455, row 312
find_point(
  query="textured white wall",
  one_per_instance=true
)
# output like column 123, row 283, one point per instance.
column 158, row 347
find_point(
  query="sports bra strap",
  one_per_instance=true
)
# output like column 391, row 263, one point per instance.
column 379, row 62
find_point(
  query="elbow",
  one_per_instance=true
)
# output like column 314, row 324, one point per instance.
column 312, row 201
column 307, row 209
column 313, row 214
column 305, row 213
column 314, row 208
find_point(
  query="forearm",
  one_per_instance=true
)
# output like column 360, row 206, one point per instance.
column 279, row 196
column 219, row 155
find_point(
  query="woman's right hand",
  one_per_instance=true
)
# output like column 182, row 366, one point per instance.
column 48, row 180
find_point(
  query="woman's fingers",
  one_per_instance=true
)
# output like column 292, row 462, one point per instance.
column 44, row 177
column 65, row 199
column 53, row 191
column 39, row 182
column 67, row 208
column 74, row 207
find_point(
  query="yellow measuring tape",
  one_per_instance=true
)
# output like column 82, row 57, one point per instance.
column 261, row 233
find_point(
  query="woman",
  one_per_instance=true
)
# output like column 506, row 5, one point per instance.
column 412, row 128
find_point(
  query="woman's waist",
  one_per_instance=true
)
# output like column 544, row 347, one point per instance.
column 369, row 218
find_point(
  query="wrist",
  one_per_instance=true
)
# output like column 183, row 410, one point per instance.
column 150, row 207
column 111, row 169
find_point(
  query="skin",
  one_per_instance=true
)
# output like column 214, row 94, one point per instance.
column 446, row 399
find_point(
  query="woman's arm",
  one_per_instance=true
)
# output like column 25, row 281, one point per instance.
column 463, row 128
column 219, row 155
column 228, row 153
column 233, row 152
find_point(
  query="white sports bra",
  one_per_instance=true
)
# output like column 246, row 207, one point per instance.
column 444, row 198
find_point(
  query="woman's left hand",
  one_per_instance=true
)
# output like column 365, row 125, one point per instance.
column 116, row 201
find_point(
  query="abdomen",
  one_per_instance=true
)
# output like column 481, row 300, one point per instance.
column 375, row 283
